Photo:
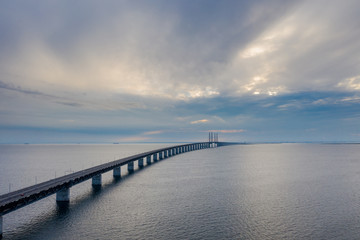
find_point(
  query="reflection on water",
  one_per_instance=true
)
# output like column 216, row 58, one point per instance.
column 280, row 191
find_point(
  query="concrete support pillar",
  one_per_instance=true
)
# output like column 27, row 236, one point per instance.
column 131, row 167
column 177, row 150
column 165, row 154
column 1, row 226
column 148, row 160
column 63, row 195
column 117, row 172
column 169, row 152
column 155, row 156
column 141, row 162
column 96, row 180
column 160, row 155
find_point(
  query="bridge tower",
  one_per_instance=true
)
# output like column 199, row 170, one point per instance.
column 213, row 139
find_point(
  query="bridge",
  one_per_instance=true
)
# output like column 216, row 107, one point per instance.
column 61, row 186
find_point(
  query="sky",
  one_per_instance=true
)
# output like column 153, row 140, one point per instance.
column 90, row 71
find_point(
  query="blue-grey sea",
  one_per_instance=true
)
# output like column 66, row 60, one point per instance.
column 258, row 191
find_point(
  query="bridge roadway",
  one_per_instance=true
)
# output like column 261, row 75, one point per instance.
column 14, row 200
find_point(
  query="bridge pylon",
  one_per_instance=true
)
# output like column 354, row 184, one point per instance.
column 213, row 139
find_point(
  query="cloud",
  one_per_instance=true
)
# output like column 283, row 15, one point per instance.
column 199, row 121
column 229, row 131
column 153, row 132
column 144, row 65
column 352, row 83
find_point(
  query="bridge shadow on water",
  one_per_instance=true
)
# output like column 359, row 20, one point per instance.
column 63, row 213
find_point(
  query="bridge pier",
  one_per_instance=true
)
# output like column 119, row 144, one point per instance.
column 96, row 180
column 131, row 167
column 141, row 162
column 117, row 172
column 1, row 226
column 148, row 160
column 155, row 157
column 63, row 195
column 160, row 155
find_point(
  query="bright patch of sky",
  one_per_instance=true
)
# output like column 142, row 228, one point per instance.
column 110, row 71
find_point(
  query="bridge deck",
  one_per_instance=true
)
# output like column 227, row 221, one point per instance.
column 20, row 198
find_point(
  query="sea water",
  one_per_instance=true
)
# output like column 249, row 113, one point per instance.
column 259, row 191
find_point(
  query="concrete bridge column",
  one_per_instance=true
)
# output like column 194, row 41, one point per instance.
column 148, row 160
column 131, row 167
column 160, row 155
column 96, row 180
column 1, row 226
column 141, row 162
column 155, row 156
column 117, row 172
column 63, row 195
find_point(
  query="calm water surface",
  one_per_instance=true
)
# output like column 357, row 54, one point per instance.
column 269, row 191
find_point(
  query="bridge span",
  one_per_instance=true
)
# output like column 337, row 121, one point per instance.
column 61, row 186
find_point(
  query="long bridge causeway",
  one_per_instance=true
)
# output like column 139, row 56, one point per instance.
column 61, row 186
